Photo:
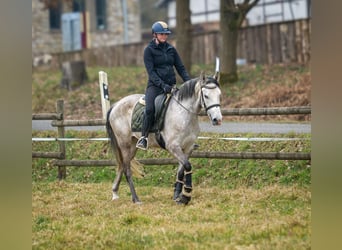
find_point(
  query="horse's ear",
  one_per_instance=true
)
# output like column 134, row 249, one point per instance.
column 217, row 76
column 217, row 70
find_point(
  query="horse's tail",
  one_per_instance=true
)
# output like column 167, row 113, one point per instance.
column 113, row 141
column 136, row 167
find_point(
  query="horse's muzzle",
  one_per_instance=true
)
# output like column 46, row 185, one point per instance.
column 215, row 115
column 216, row 122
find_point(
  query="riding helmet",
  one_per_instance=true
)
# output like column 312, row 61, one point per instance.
column 160, row 27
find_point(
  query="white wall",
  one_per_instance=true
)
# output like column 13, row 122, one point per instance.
column 296, row 9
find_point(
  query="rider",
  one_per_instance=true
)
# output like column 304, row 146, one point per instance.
column 159, row 59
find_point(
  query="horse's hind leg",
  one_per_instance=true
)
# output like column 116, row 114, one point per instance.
column 116, row 183
column 128, row 174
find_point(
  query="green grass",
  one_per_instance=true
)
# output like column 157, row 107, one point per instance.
column 68, row 215
column 236, row 204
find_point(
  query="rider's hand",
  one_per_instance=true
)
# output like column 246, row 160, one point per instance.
column 167, row 89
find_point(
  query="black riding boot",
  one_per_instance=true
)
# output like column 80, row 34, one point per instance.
column 142, row 142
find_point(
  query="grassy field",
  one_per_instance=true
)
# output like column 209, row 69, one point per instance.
column 236, row 204
column 81, row 216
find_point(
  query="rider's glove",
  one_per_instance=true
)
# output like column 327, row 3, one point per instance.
column 167, row 89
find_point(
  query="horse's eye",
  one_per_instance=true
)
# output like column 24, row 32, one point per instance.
column 206, row 97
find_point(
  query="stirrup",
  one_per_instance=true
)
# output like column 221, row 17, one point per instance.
column 142, row 143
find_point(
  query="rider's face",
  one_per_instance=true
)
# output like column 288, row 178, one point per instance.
column 162, row 37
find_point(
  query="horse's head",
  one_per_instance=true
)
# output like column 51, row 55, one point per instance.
column 210, row 97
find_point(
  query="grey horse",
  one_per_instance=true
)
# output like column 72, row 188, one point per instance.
column 179, row 133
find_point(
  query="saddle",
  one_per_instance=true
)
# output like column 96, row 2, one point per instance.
column 160, row 103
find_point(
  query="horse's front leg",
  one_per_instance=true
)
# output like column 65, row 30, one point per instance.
column 179, row 182
column 183, row 185
column 185, row 196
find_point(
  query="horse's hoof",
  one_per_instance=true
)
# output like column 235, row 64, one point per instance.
column 183, row 200
column 137, row 202
column 180, row 203
column 115, row 197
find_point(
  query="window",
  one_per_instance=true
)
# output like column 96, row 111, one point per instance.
column 101, row 20
column 78, row 6
column 55, row 17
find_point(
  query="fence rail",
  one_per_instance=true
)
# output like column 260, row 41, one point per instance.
column 47, row 116
column 61, row 162
column 198, row 154
column 225, row 112
column 267, row 111
column 46, row 155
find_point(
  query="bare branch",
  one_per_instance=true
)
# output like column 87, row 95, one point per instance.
column 247, row 5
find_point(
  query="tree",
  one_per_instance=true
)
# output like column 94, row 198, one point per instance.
column 150, row 13
column 231, row 17
column 184, row 32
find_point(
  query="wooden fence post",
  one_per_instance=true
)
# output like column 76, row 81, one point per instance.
column 60, row 129
column 105, row 103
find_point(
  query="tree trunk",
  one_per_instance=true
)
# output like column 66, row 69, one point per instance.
column 231, row 17
column 229, row 25
column 74, row 74
column 184, row 32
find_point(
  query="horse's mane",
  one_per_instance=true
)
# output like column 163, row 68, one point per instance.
column 187, row 90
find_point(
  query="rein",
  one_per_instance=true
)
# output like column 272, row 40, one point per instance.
column 180, row 104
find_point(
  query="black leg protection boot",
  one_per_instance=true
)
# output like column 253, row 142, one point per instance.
column 185, row 196
column 177, row 190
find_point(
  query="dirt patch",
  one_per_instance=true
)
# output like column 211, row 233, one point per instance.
column 288, row 90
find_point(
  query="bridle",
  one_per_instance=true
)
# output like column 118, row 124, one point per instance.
column 202, row 97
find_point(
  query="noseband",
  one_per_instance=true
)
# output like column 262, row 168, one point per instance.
column 211, row 80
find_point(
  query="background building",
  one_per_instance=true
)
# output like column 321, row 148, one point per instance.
column 266, row 11
column 83, row 24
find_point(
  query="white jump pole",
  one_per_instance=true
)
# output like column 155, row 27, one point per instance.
column 105, row 103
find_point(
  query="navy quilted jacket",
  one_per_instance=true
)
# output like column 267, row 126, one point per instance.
column 159, row 62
